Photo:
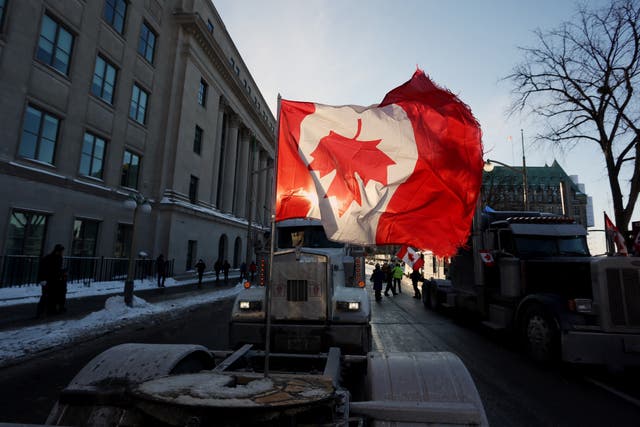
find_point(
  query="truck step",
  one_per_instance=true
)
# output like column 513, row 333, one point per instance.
column 493, row 325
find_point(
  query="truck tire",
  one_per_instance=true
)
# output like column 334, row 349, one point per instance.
column 540, row 335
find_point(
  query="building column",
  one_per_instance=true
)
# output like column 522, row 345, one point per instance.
column 229, row 172
column 255, row 188
column 217, row 147
column 262, row 200
column 241, row 176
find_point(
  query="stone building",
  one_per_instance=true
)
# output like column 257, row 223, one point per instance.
column 103, row 100
column 549, row 189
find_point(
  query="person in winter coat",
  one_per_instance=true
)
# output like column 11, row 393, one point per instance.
column 217, row 267
column 50, row 276
column 397, row 277
column 200, row 266
column 416, row 277
column 388, row 277
column 252, row 269
column 161, row 267
column 243, row 271
column 225, row 268
column 377, row 277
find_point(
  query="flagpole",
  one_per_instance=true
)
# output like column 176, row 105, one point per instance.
column 267, row 313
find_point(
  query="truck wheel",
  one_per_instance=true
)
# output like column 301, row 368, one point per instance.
column 540, row 335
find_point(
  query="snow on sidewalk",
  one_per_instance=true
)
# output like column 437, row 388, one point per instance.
column 25, row 341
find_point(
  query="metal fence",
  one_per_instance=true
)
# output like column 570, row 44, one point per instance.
column 21, row 270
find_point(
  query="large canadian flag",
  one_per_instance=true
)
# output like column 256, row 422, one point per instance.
column 406, row 171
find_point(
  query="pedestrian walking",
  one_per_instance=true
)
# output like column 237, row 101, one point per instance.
column 225, row 268
column 397, row 277
column 217, row 267
column 243, row 271
column 59, row 293
column 50, row 277
column 416, row 277
column 388, row 277
column 200, row 266
column 161, row 269
column 252, row 269
column 377, row 277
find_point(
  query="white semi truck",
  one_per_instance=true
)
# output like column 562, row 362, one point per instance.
column 318, row 295
column 320, row 370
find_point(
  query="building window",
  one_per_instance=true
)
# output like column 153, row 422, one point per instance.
column 202, row 93
column 138, row 108
column 85, row 236
column 130, row 170
column 55, row 45
column 26, row 233
column 3, row 7
column 92, row 157
column 197, row 140
column 193, row 189
column 39, row 135
column 123, row 241
column 114, row 13
column 192, row 248
column 210, row 26
column 104, row 80
column 147, row 42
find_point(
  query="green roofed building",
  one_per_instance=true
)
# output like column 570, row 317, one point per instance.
column 549, row 189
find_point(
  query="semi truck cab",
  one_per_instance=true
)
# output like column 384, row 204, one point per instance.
column 541, row 282
column 318, row 295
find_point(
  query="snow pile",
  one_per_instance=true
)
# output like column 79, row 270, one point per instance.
column 18, row 343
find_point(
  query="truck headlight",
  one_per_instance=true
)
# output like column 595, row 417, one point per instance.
column 348, row 305
column 581, row 305
column 250, row 305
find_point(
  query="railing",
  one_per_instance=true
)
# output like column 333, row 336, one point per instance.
column 21, row 270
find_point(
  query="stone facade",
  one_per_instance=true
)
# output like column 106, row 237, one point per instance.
column 104, row 99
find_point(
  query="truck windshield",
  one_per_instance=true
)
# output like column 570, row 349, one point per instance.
column 535, row 246
column 311, row 237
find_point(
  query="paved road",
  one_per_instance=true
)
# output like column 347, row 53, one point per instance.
column 515, row 391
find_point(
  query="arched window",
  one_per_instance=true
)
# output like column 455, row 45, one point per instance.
column 237, row 248
column 222, row 248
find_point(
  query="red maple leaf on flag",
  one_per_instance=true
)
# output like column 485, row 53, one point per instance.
column 348, row 156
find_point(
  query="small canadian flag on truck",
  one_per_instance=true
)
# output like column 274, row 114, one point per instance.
column 487, row 258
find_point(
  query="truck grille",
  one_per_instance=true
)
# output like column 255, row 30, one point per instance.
column 623, row 287
column 297, row 290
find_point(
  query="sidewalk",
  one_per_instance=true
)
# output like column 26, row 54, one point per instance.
column 17, row 311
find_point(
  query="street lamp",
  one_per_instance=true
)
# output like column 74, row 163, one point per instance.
column 136, row 202
column 488, row 167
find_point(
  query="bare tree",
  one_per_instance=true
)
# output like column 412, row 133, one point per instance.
column 582, row 79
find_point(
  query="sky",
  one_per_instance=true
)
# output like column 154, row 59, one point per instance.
column 26, row 341
column 354, row 52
